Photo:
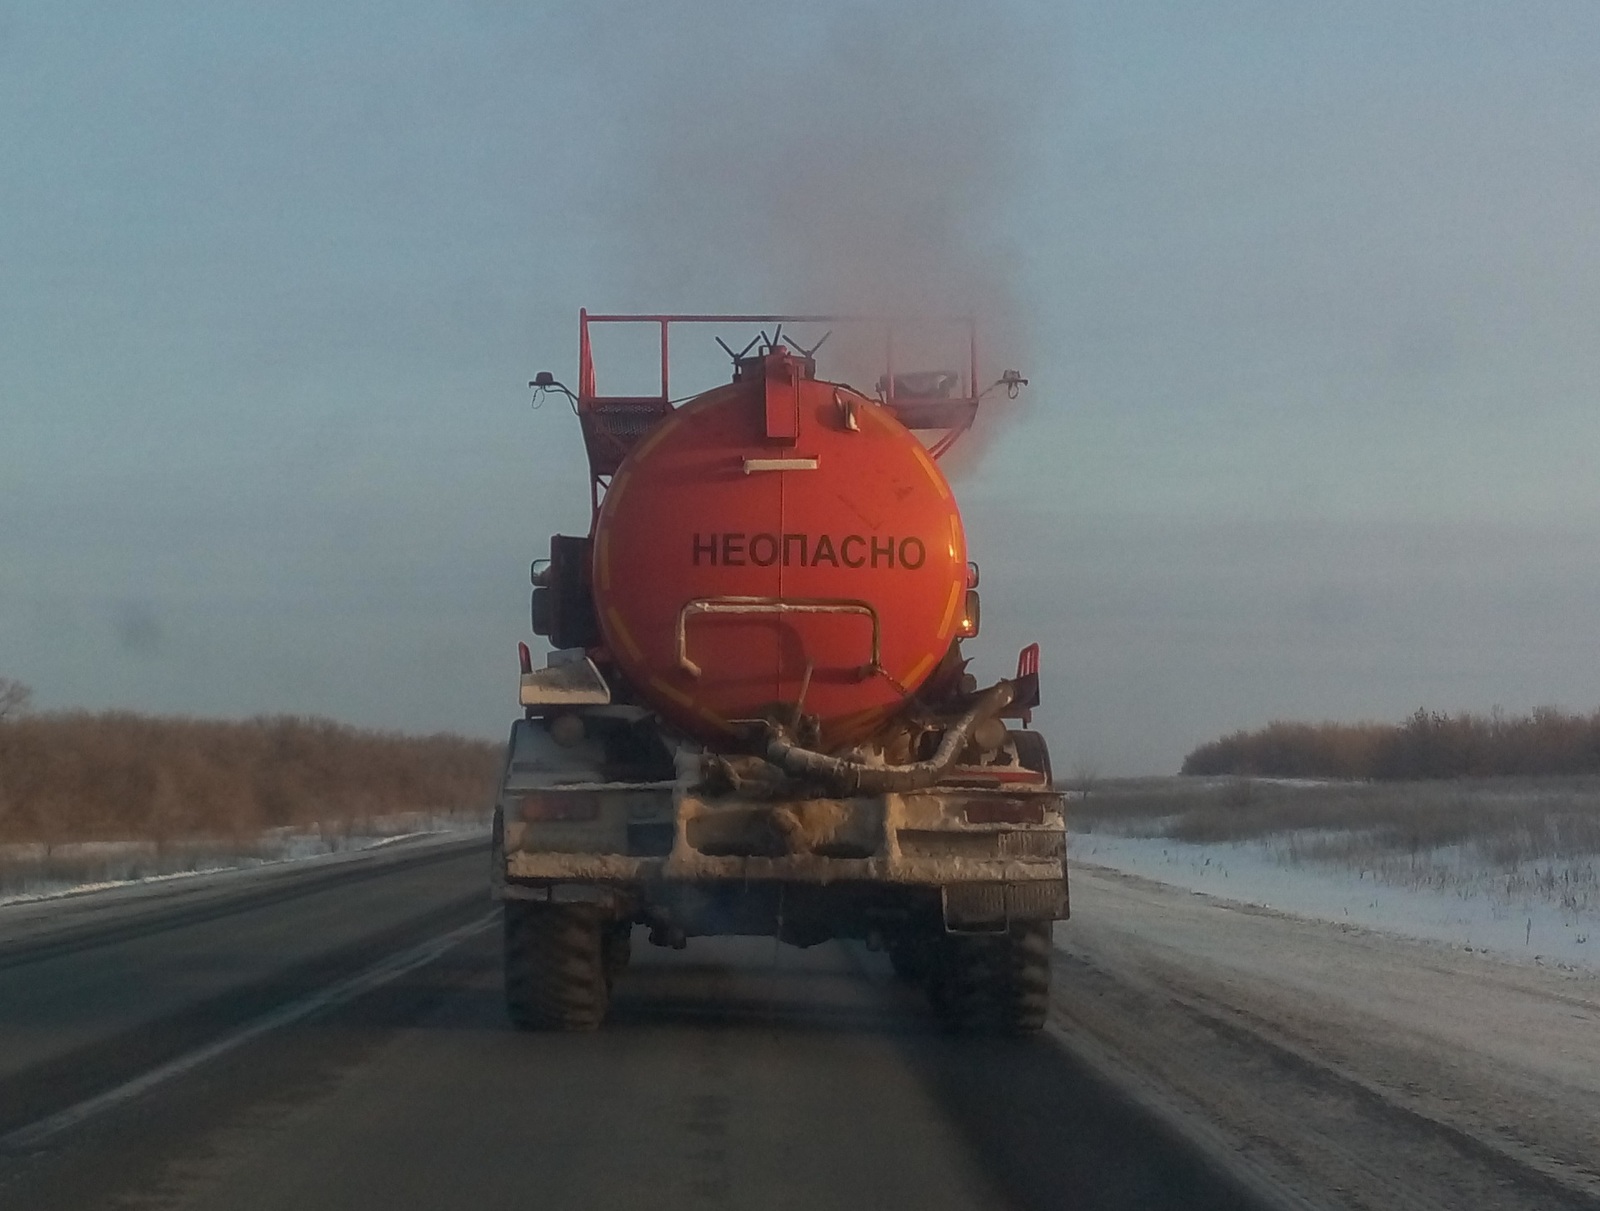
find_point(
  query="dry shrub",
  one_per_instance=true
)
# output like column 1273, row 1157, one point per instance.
column 119, row 776
column 1510, row 819
column 1427, row 745
column 14, row 697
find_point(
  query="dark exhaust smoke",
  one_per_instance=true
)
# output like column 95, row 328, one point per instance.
column 839, row 157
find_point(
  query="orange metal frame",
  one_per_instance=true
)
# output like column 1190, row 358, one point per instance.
column 612, row 423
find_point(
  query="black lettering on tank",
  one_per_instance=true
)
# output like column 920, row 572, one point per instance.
column 763, row 550
column 735, row 549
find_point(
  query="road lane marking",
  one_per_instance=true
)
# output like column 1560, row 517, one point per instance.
column 344, row 991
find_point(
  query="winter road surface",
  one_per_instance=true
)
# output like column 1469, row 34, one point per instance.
column 332, row 1036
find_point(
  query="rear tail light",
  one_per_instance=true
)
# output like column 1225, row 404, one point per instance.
column 560, row 807
column 1005, row 811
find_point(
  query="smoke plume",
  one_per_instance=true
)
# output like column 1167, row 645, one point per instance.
column 847, row 157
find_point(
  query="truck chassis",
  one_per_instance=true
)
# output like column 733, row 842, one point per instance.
column 598, row 829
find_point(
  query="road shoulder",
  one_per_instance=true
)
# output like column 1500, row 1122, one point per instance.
column 1340, row 1058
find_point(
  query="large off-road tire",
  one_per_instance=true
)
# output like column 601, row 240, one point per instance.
column 555, row 968
column 1026, row 995
column 994, row 983
column 959, row 980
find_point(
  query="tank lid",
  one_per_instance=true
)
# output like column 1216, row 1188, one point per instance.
column 772, row 360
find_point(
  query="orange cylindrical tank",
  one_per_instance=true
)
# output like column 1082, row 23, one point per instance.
column 776, row 543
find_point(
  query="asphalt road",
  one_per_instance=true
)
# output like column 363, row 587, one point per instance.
column 335, row 1038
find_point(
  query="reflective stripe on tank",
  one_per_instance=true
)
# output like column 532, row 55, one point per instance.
column 933, row 471
column 923, row 666
column 622, row 633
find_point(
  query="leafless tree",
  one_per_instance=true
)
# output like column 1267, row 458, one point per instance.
column 1085, row 773
column 14, row 697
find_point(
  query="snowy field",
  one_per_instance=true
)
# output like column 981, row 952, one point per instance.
column 1508, row 868
column 35, row 872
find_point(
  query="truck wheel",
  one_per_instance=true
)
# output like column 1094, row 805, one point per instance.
column 554, row 969
column 1027, row 989
column 961, row 981
column 994, row 983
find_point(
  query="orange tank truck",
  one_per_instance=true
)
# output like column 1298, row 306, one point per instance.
column 756, row 717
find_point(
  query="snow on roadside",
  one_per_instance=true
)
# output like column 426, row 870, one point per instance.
column 1254, row 873
column 30, row 873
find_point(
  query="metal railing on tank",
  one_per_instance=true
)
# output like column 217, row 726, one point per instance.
column 939, row 402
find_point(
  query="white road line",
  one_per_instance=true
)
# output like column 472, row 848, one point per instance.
column 357, row 985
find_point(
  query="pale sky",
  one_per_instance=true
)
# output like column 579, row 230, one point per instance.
column 1307, row 295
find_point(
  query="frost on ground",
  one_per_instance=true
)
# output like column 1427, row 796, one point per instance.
column 34, row 871
column 1359, row 1068
column 1508, row 866
column 1333, row 1041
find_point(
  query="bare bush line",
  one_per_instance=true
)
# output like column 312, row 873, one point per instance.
column 1427, row 745
column 76, row 777
column 14, row 697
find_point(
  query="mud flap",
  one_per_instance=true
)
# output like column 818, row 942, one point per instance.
column 980, row 908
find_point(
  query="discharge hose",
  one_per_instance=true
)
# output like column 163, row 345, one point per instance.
column 843, row 776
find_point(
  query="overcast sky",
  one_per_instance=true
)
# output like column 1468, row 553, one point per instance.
column 1308, row 295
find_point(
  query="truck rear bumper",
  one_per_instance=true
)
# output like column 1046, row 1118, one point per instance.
column 792, row 868
column 967, row 850
column 964, row 895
